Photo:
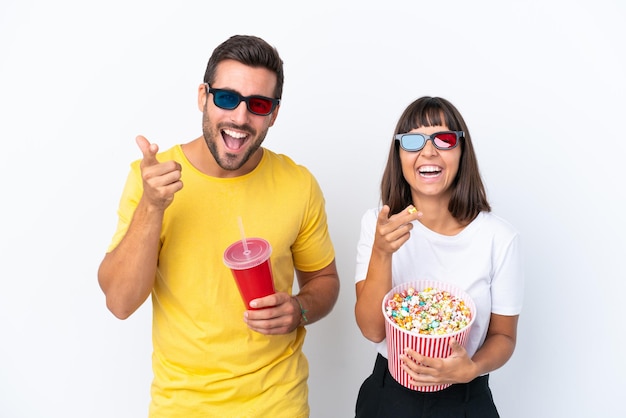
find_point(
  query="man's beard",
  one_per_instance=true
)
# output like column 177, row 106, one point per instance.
column 229, row 162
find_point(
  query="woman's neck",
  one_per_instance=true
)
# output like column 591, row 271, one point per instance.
column 437, row 217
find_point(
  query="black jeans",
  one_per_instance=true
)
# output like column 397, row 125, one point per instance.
column 381, row 396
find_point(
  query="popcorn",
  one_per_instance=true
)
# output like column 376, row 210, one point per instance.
column 425, row 321
column 429, row 312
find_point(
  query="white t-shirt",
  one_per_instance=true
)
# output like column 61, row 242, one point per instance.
column 484, row 259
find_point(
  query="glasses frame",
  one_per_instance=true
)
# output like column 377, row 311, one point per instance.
column 246, row 99
column 458, row 134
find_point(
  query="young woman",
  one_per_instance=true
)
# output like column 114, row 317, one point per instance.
column 436, row 223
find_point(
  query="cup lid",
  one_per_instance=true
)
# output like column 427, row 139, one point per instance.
column 236, row 257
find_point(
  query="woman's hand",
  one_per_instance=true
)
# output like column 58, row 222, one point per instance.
column 393, row 231
column 429, row 371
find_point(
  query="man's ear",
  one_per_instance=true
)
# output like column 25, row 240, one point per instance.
column 203, row 96
column 274, row 115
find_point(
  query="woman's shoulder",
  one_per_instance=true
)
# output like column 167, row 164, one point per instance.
column 497, row 223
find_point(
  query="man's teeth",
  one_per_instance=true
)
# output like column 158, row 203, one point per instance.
column 234, row 134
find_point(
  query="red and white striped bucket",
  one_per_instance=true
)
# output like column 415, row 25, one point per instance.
column 428, row 345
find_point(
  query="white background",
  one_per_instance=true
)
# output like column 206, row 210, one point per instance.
column 540, row 83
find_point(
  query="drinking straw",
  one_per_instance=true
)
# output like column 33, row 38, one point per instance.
column 246, row 251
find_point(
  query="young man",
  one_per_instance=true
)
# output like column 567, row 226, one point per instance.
column 213, row 356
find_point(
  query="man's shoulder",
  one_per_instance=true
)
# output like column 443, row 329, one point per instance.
column 284, row 162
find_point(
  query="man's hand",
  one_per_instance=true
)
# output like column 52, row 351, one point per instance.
column 274, row 314
column 160, row 180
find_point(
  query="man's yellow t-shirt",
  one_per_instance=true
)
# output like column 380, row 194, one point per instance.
column 206, row 361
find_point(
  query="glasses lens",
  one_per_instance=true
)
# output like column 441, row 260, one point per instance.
column 259, row 105
column 226, row 99
column 445, row 140
column 413, row 142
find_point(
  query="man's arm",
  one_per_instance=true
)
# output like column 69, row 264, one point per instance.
column 318, row 293
column 126, row 274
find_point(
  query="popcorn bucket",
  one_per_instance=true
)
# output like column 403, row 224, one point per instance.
column 399, row 338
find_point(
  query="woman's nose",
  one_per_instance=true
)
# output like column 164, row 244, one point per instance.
column 429, row 148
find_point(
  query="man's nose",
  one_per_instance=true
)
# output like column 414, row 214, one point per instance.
column 240, row 113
